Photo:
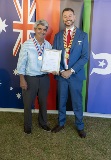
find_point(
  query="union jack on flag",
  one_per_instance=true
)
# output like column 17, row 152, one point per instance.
column 24, row 26
column 16, row 26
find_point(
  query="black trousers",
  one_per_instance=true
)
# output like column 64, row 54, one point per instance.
column 36, row 86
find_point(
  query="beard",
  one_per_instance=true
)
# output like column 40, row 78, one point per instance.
column 69, row 23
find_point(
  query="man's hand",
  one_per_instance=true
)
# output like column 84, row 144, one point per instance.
column 23, row 83
column 66, row 74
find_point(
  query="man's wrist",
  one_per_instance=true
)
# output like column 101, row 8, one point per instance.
column 60, row 72
column 72, row 71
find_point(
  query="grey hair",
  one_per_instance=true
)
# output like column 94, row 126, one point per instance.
column 41, row 22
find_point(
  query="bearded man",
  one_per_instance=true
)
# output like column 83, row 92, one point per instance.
column 74, row 45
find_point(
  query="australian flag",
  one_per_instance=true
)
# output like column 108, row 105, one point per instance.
column 16, row 26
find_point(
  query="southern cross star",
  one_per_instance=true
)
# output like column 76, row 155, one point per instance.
column 2, row 25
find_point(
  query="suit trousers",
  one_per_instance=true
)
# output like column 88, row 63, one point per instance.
column 75, row 88
column 37, row 86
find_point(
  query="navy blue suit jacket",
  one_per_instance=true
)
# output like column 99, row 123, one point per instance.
column 78, row 54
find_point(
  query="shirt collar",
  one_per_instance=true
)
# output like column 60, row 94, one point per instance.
column 70, row 29
column 38, row 42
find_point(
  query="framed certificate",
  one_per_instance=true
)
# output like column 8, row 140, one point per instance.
column 51, row 60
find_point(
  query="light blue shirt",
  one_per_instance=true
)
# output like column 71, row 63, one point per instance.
column 28, row 63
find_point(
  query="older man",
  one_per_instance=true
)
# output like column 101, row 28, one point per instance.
column 32, row 81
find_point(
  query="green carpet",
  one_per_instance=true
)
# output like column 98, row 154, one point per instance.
column 65, row 145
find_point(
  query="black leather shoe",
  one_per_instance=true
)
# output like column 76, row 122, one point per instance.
column 57, row 129
column 27, row 130
column 45, row 127
column 82, row 133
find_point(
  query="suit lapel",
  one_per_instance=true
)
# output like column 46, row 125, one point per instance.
column 62, row 46
column 76, row 37
column 61, row 40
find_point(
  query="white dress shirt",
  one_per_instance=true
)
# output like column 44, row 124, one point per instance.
column 65, row 60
